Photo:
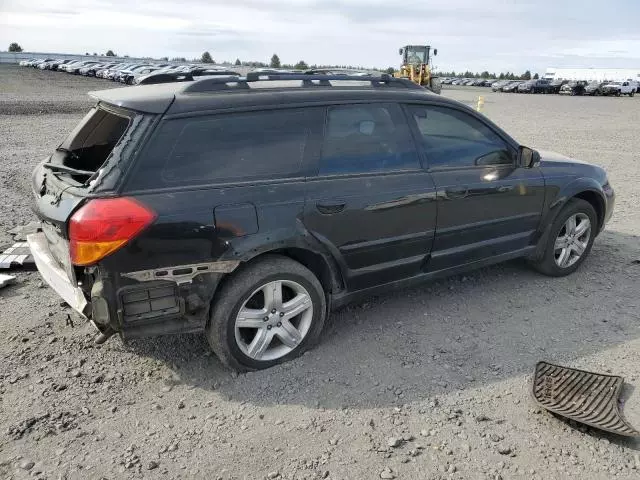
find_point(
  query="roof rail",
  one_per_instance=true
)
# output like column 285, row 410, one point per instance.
column 341, row 71
column 320, row 75
column 186, row 76
column 308, row 80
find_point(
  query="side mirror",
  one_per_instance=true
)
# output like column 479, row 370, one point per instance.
column 400, row 51
column 527, row 157
column 435, row 52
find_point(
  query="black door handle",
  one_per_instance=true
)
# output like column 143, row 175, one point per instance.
column 329, row 207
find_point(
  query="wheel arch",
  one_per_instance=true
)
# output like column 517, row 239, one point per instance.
column 586, row 189
column 320, row 263
column 320, row 266
column 597, row 202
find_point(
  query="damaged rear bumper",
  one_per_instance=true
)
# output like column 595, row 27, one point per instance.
column 150, row 302
column 55, row 275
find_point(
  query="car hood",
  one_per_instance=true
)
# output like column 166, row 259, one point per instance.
column 556, row 163
column 555, row 158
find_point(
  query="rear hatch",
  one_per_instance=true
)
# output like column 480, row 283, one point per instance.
column 88, row 163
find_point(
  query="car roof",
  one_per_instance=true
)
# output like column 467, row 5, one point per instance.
column 213, row 93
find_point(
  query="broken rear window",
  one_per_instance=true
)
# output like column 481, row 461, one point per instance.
column 99, row 148
column 91, row 142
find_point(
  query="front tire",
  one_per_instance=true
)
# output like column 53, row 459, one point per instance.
column 267, row 313
column 570, row 239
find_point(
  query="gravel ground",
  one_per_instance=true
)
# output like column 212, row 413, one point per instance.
column 433, row 383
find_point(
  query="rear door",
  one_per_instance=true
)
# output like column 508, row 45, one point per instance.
column 223, row 185
column 370, row 202
column 487, row 206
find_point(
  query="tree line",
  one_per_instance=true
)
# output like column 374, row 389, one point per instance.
column 275, row 62
column 300, row 65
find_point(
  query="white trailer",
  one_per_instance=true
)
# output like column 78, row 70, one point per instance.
column 593, row 74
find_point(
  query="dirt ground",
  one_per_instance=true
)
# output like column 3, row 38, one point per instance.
column 428, row 384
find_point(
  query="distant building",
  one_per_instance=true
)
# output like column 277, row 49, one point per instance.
column 600, row 74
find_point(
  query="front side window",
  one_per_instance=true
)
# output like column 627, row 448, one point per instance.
column 452, row 138
column 366, row 138
column 228, row 148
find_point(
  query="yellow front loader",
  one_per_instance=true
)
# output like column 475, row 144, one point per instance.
column 416, row 66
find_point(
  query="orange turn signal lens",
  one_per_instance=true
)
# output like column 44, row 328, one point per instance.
column 88, row 253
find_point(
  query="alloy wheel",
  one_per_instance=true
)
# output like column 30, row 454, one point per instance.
column 274, row 320
column 572, row 240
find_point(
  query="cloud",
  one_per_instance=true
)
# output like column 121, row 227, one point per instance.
column 469, row 34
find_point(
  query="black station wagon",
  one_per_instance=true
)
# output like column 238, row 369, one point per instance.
column 248, row 207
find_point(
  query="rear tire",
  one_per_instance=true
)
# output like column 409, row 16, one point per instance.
column 570, row 239
column 238, row 332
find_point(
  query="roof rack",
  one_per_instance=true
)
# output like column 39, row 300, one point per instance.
column 308, row 80
column 187, row 76
column 341, row 71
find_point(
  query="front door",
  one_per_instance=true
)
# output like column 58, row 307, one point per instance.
column 488, row 207
column 371, row 203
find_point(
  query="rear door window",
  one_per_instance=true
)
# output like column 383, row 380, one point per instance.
column 367, row 138
column 227, row 148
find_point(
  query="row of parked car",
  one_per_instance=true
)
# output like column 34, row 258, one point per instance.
column 562, row 87
column 135, row 73
column 569, row 87
column 470, row 82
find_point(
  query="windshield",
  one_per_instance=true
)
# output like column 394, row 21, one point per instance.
column 417, row 55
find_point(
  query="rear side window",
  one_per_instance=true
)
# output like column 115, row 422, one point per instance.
column 366, row 138
column 452, row 138
column 228, row 147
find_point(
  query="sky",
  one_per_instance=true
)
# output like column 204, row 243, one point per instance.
column 494, row 35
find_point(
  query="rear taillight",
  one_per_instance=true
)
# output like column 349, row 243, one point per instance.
column 102, row 226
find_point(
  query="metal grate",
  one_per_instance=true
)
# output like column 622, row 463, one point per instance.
column 152, row 301
column 582, row 396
